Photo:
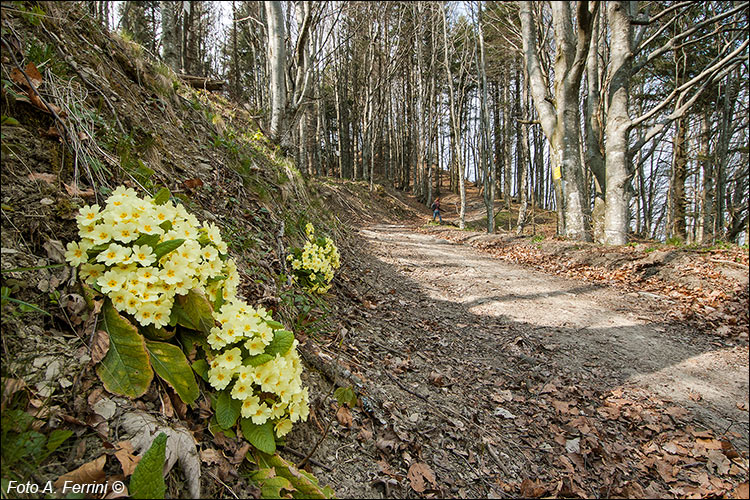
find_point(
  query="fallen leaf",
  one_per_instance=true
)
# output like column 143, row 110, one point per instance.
column 178, row 404
column 418, row 473
column 52, row 132
column 384, row 444
column 717, row 462
column 105, row 408
column 677, row 412
column 55, row 250
column 192, row 183
column 36, row 101
column 532, row 489
column 666, row 471
column 609, row 412
column 573, row 445
column 211, row 456
column 741, row 491
column 34, row 75
column 562, row 406
column 125, row 454
column 11, row 386
column 709, row 443
column 180, row 445
column 166, row 405
column 364, row 434
column 31, row 71
column 40, row 176
column 344, row 416
column 99, row 346
column 437, row 379
column 74, row 191
column 240, row 454
column 88, row 473
column 728, row 449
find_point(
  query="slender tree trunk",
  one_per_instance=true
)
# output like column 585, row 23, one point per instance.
column 679, row 174
column 277, row 67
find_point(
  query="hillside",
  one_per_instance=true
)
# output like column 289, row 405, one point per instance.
column 441, row 363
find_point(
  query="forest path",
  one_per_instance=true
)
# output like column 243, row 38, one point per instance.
column 585, row 326
column 491, row 373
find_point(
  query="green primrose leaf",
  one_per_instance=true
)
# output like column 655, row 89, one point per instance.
column 170, row 364
column 257, row 360
column 162, row 196
column 260, row 436
column 215, row 429
column 274, row 324
column 166, row 225
column 126, row 369
column 165, row 247
column 96, row 250
column 201, row 368
column 219, row 299
column 151, row 240
column 281, row 343
column 271, row 487
column 304, row 483
column 56, row 438
column 345, row 395
column 194, row 311
column 227, row 409
column 147, row 480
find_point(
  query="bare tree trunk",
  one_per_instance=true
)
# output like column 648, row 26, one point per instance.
column 618, row 124
column 277, row 67
column 679, row 174
column 526, row 158
column 487, row 164
column 170, row 33
column 455, row 125
column 560, row 121
column 706, row 226
column 594, row 136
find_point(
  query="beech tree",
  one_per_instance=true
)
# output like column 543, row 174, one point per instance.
column 559, row 115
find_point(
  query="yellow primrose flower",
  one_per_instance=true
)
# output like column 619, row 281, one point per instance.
column 261, row 414
column 88, row 215
column 144, row 255
column 101, row 234
column 125, row 232
column 219, row 378
column 283, row 427
column 76, row 254
column 111, row 281
column 250, row 406
column 242, row 390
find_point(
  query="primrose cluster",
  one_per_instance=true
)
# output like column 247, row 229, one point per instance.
column 141, row 254
column 313, row 265
column 257, row 356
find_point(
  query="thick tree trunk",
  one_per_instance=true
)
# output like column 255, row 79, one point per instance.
column 618, row 124
column 560, row 121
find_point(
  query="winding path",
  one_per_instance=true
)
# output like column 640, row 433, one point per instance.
column 484, row 370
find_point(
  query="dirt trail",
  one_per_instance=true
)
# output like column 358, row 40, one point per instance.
column 489, row 373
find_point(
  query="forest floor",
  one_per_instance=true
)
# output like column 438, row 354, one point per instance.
column 484, row 378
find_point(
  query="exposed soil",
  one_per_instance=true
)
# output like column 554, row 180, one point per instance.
column 503, row 380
